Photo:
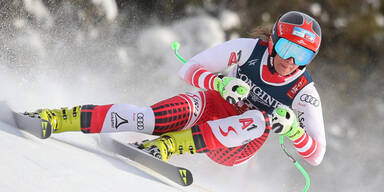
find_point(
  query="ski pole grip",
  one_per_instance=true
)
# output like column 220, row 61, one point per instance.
column 176, row 47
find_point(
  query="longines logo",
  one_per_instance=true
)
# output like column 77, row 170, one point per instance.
column 257, row 94
column 117, row 120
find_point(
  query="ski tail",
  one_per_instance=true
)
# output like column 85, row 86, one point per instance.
column 176, row 174
column 186, row 176
column 38, row 127
column 31, row 124
column 159, row 169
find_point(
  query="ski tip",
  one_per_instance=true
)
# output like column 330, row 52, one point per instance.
column 185, row 176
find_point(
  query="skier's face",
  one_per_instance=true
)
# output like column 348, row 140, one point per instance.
column 284, row 66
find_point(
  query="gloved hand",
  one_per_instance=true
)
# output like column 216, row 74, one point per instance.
column 231, row 89
column 284, row 121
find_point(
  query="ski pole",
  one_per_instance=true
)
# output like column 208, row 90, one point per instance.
column 176, row 47
column 297, row 164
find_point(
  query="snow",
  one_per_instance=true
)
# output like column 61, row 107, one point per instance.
column 28, row 164
column 109, row 8
column 75, row 162
column 315, row 9
column 229, row 20
column 380, row 20
column 37, row 8
column 62, row 62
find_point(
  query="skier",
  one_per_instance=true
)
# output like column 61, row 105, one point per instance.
column 262, row 86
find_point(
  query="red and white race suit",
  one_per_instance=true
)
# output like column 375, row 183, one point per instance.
column 229, row 134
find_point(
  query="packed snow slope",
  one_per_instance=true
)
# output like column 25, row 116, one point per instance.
column 30, row 164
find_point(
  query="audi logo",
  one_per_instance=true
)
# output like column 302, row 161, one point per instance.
column 310, row 99
column 140, row 121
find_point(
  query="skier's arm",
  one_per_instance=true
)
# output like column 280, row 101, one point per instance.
column 311, row 145
column 199, row 70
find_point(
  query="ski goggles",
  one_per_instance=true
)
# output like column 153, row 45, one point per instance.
column 287, row 49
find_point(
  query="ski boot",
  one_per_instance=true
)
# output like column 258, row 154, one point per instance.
column 170, row 143
column 60, row 120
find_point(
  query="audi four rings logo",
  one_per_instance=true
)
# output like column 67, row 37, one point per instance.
column 310, row 99
column 140, row 121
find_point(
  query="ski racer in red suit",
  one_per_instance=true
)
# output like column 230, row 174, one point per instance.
column 250, row 87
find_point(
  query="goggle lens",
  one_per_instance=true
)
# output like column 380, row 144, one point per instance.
column 287, row 49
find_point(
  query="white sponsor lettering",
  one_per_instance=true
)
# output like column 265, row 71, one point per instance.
column 257, row 94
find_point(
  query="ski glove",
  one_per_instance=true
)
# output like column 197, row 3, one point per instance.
column 284, row 121
column 231, row 89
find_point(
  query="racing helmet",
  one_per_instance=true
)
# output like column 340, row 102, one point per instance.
column 296, row 35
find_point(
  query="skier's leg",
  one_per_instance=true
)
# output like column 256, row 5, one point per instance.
column 116, row 118
column 100, row 118
column 229, row 136
column 234, row 140
column 228, row 141
column 172, row 114
column 179, row 112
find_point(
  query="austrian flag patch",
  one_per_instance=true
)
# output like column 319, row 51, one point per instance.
column 297, row 87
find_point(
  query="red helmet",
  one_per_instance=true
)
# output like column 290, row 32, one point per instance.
column 298, row 28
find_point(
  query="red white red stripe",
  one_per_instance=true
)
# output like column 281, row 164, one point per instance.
column 306, row 146
column 199, row 77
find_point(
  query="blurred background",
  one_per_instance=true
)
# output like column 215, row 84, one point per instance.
column 56, row 53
